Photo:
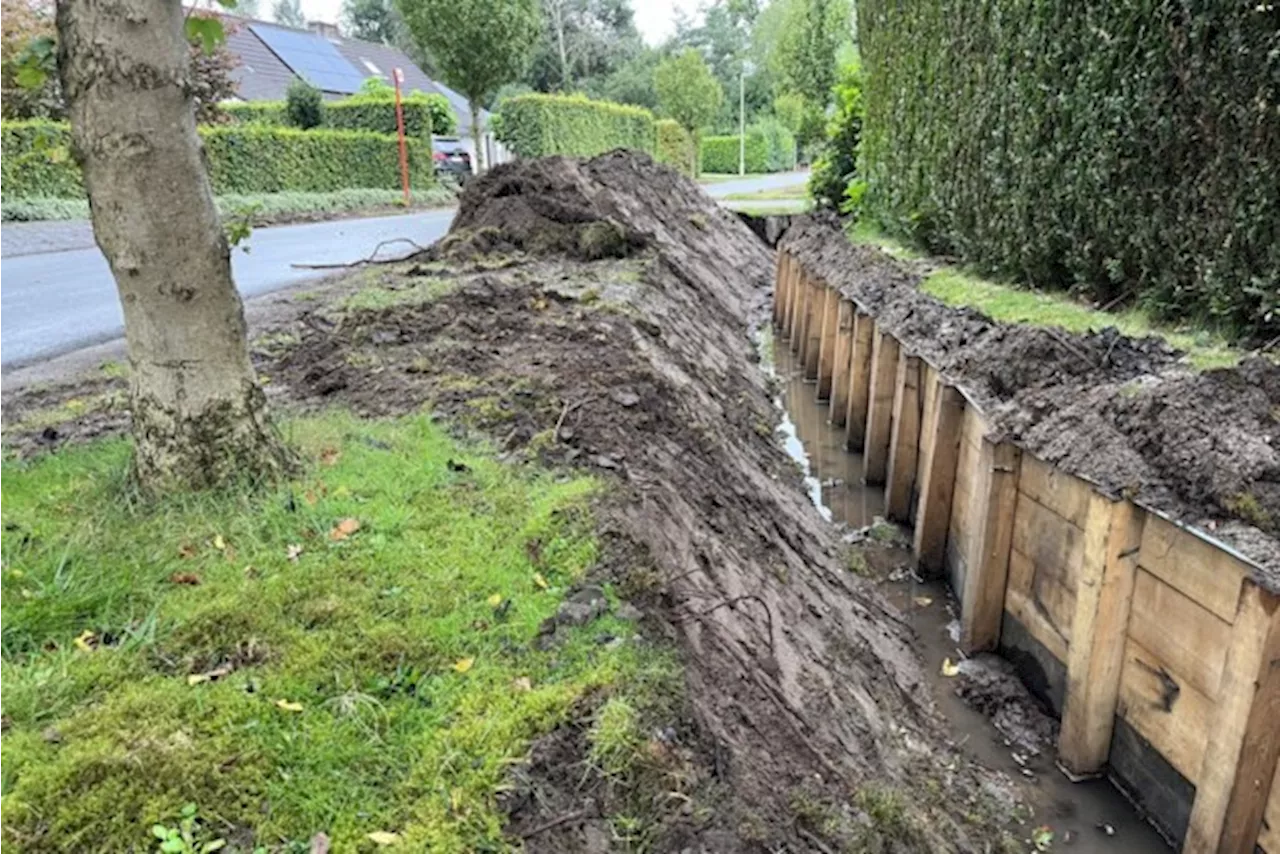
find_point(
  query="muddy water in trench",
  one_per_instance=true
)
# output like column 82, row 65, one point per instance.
column 1091, row 817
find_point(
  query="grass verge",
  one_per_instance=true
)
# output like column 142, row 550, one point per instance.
column 1014, row 304
column 348, row 653
column 795, row 192
column 260, row 208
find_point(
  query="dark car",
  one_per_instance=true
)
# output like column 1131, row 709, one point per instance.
column 451, row 157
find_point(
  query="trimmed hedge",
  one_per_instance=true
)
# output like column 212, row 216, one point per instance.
column 674, row 147
column 251, row 159
column 720, row 153
column 1115, row 149
column 423, row 114
column 535, row 125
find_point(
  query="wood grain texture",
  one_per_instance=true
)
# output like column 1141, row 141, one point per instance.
column 904, row 441
column 933, row 510
column 884, row 374
column 986, row 577
column 859, row 381
column 843, row 358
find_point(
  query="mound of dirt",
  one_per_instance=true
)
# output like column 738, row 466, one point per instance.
column 1122, row 412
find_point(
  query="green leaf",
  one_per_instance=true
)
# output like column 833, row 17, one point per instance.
column 208, row 32
column 217, row 844
column 159, row 831
column 173, row 845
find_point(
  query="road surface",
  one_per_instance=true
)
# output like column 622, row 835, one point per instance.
column 58, row 294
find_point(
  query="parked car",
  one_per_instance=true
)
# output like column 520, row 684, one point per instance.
column 451, row 157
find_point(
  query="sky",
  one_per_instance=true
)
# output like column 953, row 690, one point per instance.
column 655, row 19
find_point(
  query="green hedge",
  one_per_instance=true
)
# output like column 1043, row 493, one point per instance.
column 770, row 148
column 423, row 114
column 251, row 159
column 534, row 125
column 674, row 147
column 1116, row 149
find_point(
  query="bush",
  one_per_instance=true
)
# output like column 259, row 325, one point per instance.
column 674, row 146
column 257, row 113
column 535, row 125
column 780, row 144
column 1090, row 147
column 423, row 114
column 770, row 148
column 242, row 159
column 302, row 105
column 837, row 163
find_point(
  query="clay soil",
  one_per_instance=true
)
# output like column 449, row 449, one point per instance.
column 1124, row 413
column 599, row 314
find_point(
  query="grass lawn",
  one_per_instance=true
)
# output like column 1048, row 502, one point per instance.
column 349, row 652
column 1014, row 304
column 796, row 191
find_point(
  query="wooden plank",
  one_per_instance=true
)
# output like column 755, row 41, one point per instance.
column 827, row 342
column 1173, row 716
column 933, row 510
column 1187, row 637
column 1252, row 658
column 793, row 297
column 928, row 400
column 904, row 442
column 779, row 286
column 813, row 327
column 1054, row 548
column 859, row 381
column 1254, row 784
column 1033, row 619
column 1269, row 835
column 1095, row 659
column 1184, row 561
column 1063, row 493
column 987, row 565
column 843, row 356
column 960, row 533
column 799, row 306
column 884, row 375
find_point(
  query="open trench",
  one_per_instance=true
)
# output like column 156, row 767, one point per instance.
column 1089, row 816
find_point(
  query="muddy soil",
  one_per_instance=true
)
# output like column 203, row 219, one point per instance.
column 1124, row 413
column 599, row 314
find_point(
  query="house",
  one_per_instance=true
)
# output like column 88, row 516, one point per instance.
column 271, row 56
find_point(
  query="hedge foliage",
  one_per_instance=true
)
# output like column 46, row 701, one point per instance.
column 770, row 148
column 674, row 146
column 423, row 114
column 534, row 125
column 253, row 159
column 1116, row 149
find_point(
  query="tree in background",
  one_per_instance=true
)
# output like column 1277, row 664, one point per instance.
column 199, row 417
column 805, row 57
column 303, row 105
column 26, row 26
column 723, row 36
column 211, row 82
column 690, row 94
column 582, row 42
column 478, row 45
column 288, row 13
column 379, row 21
column 832, row 183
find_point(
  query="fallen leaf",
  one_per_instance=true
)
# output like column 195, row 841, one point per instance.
column 384, row 837
column 219, row 543
column 540, row 580
column 462, row 665
column 210, row 675
column 949, row 668
column 495, row 600
column 522, row 684
column 329, row 456
column 289, row 706
column 344, row 529
column 923, row 601
column 1042, row 837
column 184, row 578
column 186, row 550
column 293, row 551
column 86, row 641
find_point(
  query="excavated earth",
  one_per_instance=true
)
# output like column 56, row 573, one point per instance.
column 1124, row 413
column 599, row 314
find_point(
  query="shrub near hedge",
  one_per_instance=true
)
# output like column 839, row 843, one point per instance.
column 535, row 125
column 674, row 145
column 251, row 159
column 1100, row 147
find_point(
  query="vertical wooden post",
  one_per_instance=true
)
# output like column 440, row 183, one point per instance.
column 827, row 347
column 813, row 327
column 995, row 496
column 905, row 442
column 780, row 288
column 840, row 371
column 940, row 438
column 1104, row 595
column 855, row 424
column 884, row 373
column 1244, row 740
column 798, row 295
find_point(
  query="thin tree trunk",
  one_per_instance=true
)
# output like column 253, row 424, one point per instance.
column 476, row 134
column 199, row 416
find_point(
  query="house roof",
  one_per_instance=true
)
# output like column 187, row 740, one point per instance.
column 263, row 74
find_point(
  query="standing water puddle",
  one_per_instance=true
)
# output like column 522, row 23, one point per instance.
column 1090, row 817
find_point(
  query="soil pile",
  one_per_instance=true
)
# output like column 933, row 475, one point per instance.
column 1124, row 413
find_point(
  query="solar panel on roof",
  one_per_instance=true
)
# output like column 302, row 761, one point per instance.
column 311, row 57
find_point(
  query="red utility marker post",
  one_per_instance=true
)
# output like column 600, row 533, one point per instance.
column 398, row 76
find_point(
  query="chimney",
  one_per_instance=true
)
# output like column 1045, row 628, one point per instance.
column 324, row 29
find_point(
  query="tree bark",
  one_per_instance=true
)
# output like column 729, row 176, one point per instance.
column 199, row 416
column 476, row 134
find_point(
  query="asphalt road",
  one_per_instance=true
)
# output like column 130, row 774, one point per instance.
column 52, row 302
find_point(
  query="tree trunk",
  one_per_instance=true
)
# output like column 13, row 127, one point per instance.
column 476, row 135
column 199, row 416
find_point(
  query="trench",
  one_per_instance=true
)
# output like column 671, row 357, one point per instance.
column 1090, row 816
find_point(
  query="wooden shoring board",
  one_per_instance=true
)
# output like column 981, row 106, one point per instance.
column 904, row 443
column 843, row 363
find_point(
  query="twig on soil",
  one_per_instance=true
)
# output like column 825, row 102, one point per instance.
column 1084, row 357
column 372, row 257
column 564, row 413
column 577, row 815
column 814, row 841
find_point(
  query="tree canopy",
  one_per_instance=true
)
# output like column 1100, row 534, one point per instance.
column 288, row 13
column 688, row 93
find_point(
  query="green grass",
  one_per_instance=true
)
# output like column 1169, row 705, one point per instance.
column 378, row 682
column 378, row 296
column 796, row 192
column 718, row 177
column 1013, row 304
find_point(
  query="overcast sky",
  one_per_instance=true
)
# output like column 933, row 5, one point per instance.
column 654, row 18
